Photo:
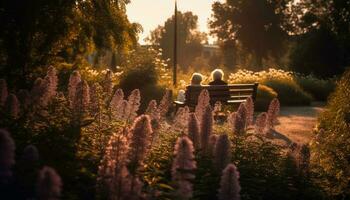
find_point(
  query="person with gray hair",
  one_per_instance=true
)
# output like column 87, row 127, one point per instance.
column 196, row 79
column 217, row 75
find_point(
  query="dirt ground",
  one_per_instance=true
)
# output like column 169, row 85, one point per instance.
column 296, row 123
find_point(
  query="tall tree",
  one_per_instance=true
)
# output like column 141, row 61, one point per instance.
column 189, row 39
column 39, row 32
column 322, row 33
column 257, row 25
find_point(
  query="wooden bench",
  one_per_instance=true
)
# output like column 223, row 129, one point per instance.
column 226, row 94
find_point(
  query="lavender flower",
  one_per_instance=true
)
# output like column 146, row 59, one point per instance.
column 165, row 103
column 222, row 152
column 203, row 103
column 243, row 113
column 272, row 113
column 206, row 127
column 122, row 110
column 116, row 101
column 152, row 110
column 24, row 98
column 183, row 167
column 81, row 101
column 260, row 124
column 131, row 188
column 117, row 185
column 133, row 104
column 49, row 184
column 140, row 136
column 74, row 80
column 3, row 92
column 249, row 104
column 229, row 184
column 212, row 141
column 112, row 173
column 12, row 106
column 237, row 123
column 193, row 130
column 115, row 156
column 231, row 118
column 187, row 112
column 181, row 118
column 7, row 155
column 52, row 82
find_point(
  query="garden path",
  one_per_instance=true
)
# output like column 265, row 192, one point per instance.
column 296, row 123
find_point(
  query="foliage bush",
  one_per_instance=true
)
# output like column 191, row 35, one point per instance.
column 108, row 151
column 70, row 138
column 288, row 90
column 147, row 72
column 330, row 148
column 144, row 78
column 264, row 96
column 289, row 93
column 320, row 89
column 265, row 171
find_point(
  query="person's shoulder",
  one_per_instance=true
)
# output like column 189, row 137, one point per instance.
column 221, row 82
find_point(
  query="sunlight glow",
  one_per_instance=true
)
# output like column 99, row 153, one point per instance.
column 151, row 13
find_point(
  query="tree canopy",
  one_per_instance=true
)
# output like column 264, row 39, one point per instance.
column 257, row 25
column 40, row 32
column 322, row 37
column 189, row 40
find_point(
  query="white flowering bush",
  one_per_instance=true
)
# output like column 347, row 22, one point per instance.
column 282, row 82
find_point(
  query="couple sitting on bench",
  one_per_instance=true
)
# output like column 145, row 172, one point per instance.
column 197, row 78
column 216, row 76
column 218, row 90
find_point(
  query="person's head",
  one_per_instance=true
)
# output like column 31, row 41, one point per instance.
column 217, row 74
column 196, row 79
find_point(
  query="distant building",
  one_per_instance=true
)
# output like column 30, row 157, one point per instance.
column 210, row 50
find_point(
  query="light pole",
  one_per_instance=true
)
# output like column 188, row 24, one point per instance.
column 175, row 47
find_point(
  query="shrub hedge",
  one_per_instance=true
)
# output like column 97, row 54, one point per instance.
column 331, row 147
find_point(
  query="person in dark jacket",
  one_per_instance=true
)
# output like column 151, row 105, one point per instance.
column 217, row 75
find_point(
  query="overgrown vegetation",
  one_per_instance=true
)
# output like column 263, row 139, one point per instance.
column 330, row 148
column 111, row 152
column 98, row 123
column 287, row 84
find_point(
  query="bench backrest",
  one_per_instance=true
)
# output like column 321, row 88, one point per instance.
column 223, row 93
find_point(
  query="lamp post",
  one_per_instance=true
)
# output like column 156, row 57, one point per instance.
column 175, row 47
